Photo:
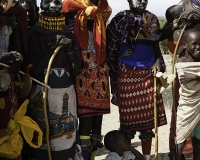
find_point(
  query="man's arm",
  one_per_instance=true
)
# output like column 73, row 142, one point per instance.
column 166, row 31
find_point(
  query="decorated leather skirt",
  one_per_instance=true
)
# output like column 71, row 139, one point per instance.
column 92, row 87
column 136, row 101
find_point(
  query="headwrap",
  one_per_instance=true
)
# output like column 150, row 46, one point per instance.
column 100, row 14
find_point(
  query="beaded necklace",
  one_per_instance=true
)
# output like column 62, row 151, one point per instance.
column 51, row 23
column 196, row 5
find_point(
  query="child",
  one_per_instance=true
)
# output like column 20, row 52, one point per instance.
column 173, row 15
column 116, row 142
column 188, row 111
column 173, row 12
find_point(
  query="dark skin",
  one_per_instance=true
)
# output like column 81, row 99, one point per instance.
column 122, row 145
column 193, row 17
column 95, row 2
column 169, row 32
column 139, row 7
column 192, row 46
column 52, row 9
column 32, row 11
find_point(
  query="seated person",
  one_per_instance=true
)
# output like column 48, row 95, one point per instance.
column 120, row 149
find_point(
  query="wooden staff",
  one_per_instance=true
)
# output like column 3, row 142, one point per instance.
column 176, row 48
column 173, row 64
column 45, row 98
column 5, row 65
column 155, row 114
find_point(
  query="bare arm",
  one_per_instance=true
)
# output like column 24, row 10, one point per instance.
column 137, row 154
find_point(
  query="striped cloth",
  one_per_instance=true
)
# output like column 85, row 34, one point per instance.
column 188, row 112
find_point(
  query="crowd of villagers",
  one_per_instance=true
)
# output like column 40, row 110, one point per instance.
column 61, row 61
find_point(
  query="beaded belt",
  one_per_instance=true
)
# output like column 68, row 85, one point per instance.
column 128, row 67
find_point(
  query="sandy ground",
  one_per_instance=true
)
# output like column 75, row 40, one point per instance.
column 111, row 122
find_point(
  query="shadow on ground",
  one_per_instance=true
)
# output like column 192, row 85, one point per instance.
column 161, row 156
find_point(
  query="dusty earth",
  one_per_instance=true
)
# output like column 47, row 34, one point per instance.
column 111, row 122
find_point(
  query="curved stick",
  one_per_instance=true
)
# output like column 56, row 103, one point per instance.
column 45, row 99
column 176, row 48
column 155, row 115
column 173, row 63
column 5, row 65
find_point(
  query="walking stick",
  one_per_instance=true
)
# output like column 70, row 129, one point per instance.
column 45, row 98
column 176, row 48
column 5, row 65
column 155, row 114
column 173, row 63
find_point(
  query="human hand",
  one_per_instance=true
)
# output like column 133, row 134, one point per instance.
column 157, row 65
column 62, row 40
column 139, row 20
column 11, row 21
column 190, row 15
column 13, row 59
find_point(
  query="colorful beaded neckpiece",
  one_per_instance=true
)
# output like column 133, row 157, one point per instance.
column 52, row 23
column 197, row 2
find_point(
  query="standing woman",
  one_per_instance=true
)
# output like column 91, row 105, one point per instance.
column 133, row 50
column 92, row 84
column 44, row 38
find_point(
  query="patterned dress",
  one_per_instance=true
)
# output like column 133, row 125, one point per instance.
column 61, row 98
column 131, row 54
column 92, row 84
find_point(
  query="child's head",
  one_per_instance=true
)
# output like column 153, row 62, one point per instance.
column 173, row 12
column 115, row 141
column 191, row 42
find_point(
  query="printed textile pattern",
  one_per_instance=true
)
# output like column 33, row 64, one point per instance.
column 93, row 97
column 136, row 103
column 118, row 32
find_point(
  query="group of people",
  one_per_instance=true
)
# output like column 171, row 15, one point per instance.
column 89, row 54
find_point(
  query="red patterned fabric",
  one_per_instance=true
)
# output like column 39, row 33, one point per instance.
column 94, row 96
column 136, row 103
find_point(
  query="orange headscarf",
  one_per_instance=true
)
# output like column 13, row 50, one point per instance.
column 100, row 14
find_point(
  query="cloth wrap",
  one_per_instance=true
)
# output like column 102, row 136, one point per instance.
column 11, row 141
column 87, row 10
column 188, row 112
